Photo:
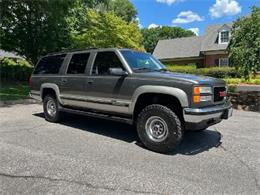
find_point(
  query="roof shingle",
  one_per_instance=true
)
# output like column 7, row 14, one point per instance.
column 190, row 46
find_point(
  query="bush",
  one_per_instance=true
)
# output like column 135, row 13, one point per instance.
column 217, row 72
column 12, row 70
column 237, row 81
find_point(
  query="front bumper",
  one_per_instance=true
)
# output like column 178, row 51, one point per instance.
column 204, row 117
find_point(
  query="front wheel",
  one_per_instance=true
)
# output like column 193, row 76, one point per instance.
column 159, row 128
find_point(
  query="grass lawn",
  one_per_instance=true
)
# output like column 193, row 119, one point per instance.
column 13, row 91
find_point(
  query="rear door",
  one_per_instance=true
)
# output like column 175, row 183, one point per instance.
column 72, row 83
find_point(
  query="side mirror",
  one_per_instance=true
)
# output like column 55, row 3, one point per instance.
column 117, row 72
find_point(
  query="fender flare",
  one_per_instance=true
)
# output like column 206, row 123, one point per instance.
column 51, row 86
column 175, row 92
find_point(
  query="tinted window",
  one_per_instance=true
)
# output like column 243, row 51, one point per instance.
column 78, row 63
column 104, row 61
column 50, row 64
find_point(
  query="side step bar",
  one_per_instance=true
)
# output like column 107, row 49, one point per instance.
column 98, row 115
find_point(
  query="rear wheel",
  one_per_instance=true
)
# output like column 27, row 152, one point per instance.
column 159, row 128
column 51, row 109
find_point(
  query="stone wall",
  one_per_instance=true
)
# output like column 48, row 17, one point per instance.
column 245, row 100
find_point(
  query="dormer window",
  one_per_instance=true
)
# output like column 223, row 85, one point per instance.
column 224, row 36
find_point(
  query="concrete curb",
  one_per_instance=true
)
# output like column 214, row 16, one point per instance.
column 14, row 102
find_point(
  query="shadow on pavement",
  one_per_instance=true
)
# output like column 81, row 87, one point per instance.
column 192, row 143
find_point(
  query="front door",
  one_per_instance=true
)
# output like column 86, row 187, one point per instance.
column 103, row 87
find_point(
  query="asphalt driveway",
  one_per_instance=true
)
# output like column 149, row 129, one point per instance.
column 93, row 156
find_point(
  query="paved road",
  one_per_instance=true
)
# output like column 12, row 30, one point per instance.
column 86, row 155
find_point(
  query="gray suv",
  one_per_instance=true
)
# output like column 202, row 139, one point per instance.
column 129, row 86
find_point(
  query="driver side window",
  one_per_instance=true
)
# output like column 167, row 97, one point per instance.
column 104, row 61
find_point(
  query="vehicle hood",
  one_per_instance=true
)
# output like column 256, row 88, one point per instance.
column 195, row 79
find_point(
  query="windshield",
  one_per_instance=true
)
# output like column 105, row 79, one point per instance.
column 140, row 61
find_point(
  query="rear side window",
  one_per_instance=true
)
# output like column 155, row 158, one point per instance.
column 50, row 64
column 78, row 63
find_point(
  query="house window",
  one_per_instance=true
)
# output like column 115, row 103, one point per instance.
column 224, row 37
column 223, row 62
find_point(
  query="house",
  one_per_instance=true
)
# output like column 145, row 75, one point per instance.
column 205, row 51
column 6, row 54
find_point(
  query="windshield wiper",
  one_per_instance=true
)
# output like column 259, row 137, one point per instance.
column 138, row 69
column 163, row 70
column 150, row 69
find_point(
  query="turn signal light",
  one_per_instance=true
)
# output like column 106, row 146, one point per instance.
column 196, row 90
column 196, row 99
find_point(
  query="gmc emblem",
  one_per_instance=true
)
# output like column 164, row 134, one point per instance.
column 222, row 94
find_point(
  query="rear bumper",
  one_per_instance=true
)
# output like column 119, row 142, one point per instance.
column 199, row 118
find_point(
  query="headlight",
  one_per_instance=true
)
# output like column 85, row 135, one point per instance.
column 202, row 94
column 202, row 90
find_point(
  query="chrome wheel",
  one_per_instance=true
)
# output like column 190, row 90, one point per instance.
column 156, row 128
column 51, row 108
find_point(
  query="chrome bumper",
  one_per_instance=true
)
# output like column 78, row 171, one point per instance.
column 197, row 115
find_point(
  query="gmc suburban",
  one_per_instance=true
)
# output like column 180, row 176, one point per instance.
column 129, row 86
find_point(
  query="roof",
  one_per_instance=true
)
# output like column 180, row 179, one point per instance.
column 9, row 54
column 191, row 46
column 210, row 39
column 178, row 48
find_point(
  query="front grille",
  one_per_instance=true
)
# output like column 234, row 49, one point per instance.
column 218, row 94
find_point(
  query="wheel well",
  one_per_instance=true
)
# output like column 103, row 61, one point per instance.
column 152, row 98
column 48, row 91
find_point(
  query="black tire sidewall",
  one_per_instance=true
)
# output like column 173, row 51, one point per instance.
column 175, row 131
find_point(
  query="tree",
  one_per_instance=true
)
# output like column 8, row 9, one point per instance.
column 153, row 35
column 34, row 28
column 244, row 47
column 123, row 9
column 107, row 30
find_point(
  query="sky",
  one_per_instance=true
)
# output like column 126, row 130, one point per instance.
column 194, row 15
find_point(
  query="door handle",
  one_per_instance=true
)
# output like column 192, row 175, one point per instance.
column 63, row 81
column 90, row 81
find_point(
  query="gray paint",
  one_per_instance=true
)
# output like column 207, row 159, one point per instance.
column 118, row 94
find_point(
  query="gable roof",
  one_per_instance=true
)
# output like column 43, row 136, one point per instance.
column 191, row 46
column 210, row 40
column 178, row 48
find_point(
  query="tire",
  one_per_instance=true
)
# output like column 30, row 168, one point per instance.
column 159, row 128
column 51, row 109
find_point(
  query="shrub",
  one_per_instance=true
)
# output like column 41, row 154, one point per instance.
column 12, row 70
column 182, row 69
column 218, row 72
column 237, row 81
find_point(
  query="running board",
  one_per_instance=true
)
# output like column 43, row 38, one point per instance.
column 98, row 115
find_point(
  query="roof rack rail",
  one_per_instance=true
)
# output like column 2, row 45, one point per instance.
column 69, row 50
